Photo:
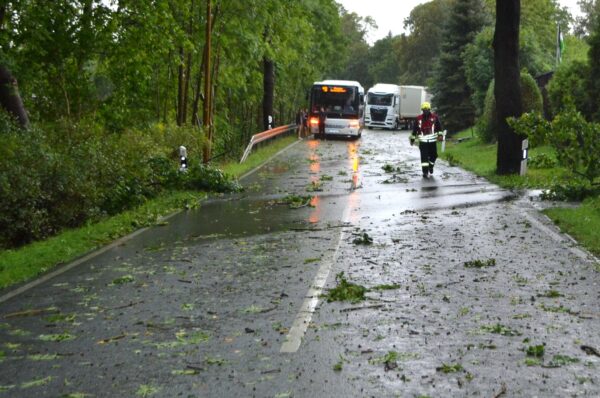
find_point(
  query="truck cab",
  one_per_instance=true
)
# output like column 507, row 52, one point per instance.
column 383, row 106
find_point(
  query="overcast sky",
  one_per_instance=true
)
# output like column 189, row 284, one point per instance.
column 390, row 14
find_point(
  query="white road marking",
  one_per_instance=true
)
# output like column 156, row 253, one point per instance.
column 300, row 325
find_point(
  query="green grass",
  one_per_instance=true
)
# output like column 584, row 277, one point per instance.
column 581, row 222
column 27, row 262
column 257, row 157
column 480, row 158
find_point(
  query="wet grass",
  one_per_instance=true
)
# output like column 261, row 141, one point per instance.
column 581, row 223
column 474, row 155
column 27, row 262
column 21, row 264
column 257, row 157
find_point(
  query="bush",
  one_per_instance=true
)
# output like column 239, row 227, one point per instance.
column 573, row 138
column 52, row 181
column 532, row 102
column 541, row 161
column 574, row 190
column 568, row 87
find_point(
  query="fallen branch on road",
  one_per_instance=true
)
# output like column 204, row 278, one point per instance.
column 366, row 307
column 502, row 391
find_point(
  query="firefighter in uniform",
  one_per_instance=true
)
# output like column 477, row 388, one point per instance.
column 426, row 130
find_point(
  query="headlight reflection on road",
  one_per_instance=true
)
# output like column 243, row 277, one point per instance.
column 315, row 168
column 315, row 214
column 354, row 197
column 354, row 161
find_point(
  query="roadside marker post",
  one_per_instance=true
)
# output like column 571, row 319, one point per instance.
column 183, row 165
column 524, row 155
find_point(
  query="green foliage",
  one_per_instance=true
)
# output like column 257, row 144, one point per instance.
column 452, row 97
column 541, row 161
column 346, row 291
column 572, row 190
column 568, row 87
column 574, row 139
column 536, row 47
column 594, row 64
column 363, row 239
column 532, row 102
column 73, row 174
column 490, row 262
column 535, row 351
column 450, row 368
column 423, row 45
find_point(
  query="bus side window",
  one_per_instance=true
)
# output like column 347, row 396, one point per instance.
column 362, row 99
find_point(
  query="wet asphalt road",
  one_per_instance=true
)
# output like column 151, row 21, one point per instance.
column 225, row 300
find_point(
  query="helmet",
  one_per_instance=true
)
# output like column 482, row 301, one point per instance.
column 425, row 106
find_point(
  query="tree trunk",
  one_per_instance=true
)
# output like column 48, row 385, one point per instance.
column 198, row 91
column 507, row 89
column 206, row 120
column 188, row 67
column 10, row 99
column 268, row 93
column 186, row 88
column 180, row 84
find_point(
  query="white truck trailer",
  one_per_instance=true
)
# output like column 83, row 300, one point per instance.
column 383, row 106
column 411, row 98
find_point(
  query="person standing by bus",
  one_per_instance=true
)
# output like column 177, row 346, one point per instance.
column 322, row 120
column 300, row 122
column 426, row 130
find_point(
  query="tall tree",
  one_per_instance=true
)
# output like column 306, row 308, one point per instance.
column 594, row 72
column 384, row 67
column 452, row 94
column 507, row 89
column 355, row 29
column 423, row 45
column 591, row 13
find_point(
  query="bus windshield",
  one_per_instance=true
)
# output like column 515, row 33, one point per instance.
column 336, row 100
column 380, row 99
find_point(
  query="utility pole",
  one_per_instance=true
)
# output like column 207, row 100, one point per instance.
column 207, row 119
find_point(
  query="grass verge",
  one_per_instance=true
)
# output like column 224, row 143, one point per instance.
column 258, row 157
column 474, row 155
column 581, row 222
column 24, row 263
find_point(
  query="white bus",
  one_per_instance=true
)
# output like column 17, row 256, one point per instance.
column 383, row 106
column 343, row 104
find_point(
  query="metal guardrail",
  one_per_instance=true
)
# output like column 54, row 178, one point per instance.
column 266, row 135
